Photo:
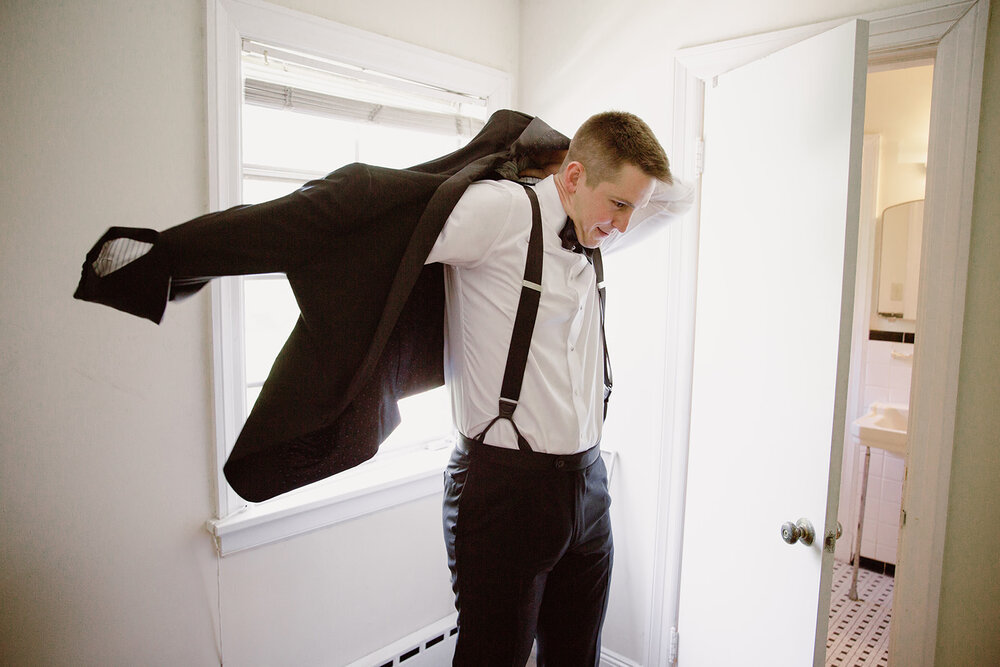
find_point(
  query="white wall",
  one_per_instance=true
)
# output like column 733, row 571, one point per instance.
column 333, row 595
column 620, row 55
column 898, row 109
column 104, row 457
column 106, row 421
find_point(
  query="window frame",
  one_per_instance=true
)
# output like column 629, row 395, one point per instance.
column 239, row 525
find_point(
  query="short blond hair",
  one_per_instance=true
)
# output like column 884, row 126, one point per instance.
column 607, row 141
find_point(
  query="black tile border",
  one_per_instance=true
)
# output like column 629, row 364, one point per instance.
column 891, row 336
column 877, row 566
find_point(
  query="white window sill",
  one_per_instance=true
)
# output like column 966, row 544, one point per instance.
column 373, row 486
column 377, row 485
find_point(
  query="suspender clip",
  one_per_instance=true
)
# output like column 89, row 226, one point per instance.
column 507, row 407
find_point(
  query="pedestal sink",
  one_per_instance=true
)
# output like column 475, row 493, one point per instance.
column 884, row 427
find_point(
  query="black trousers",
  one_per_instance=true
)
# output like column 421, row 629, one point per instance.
column 530, row 551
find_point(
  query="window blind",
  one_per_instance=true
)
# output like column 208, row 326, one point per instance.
column 282, row 78
column 282, row 96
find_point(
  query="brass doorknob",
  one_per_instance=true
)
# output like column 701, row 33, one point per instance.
column 800, row 531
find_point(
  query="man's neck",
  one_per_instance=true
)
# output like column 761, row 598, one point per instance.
column 563, row 193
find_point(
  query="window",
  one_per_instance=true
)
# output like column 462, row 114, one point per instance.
column 280, row 116
column 303, row 117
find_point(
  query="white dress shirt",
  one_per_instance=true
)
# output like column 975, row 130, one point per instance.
column 484, row 245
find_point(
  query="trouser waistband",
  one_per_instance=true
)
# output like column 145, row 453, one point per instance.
column 529, row 460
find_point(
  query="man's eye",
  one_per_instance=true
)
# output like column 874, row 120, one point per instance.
column 620, row 204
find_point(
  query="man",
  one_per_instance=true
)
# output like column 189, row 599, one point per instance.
column 526, row 501
column 363, row 250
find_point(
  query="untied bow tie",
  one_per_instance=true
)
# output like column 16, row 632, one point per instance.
column 568, row 237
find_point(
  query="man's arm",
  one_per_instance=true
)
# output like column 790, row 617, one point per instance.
column 139, row 270
column 669, row 202
column 480, row 218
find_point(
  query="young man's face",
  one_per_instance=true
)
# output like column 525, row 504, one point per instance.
column 599, row 210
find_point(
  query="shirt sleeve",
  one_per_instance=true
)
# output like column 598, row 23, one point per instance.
column 669, row 201
column 478, row 221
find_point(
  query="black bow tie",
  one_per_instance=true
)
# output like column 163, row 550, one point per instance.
column 568, row 237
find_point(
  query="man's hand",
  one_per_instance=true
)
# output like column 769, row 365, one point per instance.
column 545, row 164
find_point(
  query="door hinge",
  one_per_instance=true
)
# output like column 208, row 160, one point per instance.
column 674, row 641
column 699, row 157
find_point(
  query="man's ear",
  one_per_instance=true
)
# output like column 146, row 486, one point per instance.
column 573, row 175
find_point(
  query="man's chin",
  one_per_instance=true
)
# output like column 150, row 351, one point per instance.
column 596, row 239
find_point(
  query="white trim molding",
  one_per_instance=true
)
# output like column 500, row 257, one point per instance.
column 954, row 34
column 355, row 493
column 611, row 659
column 951, row 168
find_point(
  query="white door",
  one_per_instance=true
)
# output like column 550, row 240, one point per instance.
column 777, row 251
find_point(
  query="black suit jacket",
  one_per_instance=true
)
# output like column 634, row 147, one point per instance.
column 353, row 246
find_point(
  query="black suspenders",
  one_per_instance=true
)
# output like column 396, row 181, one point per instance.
column 595, row 257
column 524, row 326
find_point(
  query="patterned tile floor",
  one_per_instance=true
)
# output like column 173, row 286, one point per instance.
column 858, row 635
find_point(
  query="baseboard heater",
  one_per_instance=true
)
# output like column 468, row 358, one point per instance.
column 434, row 646
column 431, row 646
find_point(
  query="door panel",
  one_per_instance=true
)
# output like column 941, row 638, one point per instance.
column 777, row 251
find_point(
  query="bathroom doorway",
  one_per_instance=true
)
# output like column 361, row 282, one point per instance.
column 894, row 168
column 955, row 35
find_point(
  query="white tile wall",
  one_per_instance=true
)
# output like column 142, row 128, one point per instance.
column 886, row 379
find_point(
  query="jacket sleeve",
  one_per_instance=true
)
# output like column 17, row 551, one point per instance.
column 139, row 270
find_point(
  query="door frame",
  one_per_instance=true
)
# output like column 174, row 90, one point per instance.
column 954, row 33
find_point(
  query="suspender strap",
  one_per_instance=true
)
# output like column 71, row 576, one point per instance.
column 524, row 326
column 608, row 378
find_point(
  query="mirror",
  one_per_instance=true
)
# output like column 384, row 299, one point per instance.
column 899, row 262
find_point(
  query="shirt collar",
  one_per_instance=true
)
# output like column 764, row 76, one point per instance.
column 553, row 213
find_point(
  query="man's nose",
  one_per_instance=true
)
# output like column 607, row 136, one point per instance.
column 620, row 221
